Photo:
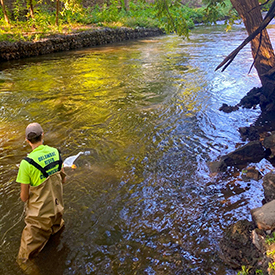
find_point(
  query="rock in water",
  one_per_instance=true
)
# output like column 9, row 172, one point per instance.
column 264, row 217
column 237, row 247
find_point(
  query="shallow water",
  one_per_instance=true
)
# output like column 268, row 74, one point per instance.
column 141, row 200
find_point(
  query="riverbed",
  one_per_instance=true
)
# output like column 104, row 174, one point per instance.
column 145, row 115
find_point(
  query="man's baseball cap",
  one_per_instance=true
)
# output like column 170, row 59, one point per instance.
column 33, row 130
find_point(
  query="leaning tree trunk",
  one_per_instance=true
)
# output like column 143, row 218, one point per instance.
column 262, row 51
column 5, row 12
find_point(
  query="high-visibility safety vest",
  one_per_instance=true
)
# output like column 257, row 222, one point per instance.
column 44, row 170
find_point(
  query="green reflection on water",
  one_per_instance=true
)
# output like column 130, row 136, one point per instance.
column 108, row 99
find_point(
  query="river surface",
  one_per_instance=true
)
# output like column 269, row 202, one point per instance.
column 141, row 199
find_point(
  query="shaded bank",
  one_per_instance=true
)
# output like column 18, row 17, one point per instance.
column 65, row 42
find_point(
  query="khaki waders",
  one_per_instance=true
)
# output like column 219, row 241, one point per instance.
column 44, row 211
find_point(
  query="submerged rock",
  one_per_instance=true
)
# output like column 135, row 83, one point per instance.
column 228, row 109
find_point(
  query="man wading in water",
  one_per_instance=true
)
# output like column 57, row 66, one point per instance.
column 41, row 177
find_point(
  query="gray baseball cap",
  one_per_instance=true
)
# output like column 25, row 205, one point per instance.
column 33, row 130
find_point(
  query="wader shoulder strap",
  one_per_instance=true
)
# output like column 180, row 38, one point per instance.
column 36, row 165
column 43, row 170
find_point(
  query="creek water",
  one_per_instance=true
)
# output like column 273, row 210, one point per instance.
column 141, row 199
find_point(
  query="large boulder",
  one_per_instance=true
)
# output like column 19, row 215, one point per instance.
column 264, row 217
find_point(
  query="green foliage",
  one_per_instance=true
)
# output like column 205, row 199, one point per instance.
column 172, row 16
column 143, row 22
column 18, row 10
column 1, row 16
column 270, row 240
column 71, row 11
column 42, row 20
column 244, row 270
column 265, row 5
column 11, row 34
column 109, row 13
column 214, row 2
column 259, row 272
column 178, row 18
column 216, row 9
column 271, row 253
column 271, row 266
column 140, row 15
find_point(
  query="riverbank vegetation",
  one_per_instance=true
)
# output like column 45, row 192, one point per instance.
column 33, row 20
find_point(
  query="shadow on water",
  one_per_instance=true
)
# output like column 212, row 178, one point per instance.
column 141, row 199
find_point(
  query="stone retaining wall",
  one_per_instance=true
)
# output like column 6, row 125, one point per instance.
column 57, row 43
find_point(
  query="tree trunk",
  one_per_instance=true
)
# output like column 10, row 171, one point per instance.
column 262, row 51
column 31, row 9
column 4, row 11
column 126, row 4
column 57, row 13
column 250, row 12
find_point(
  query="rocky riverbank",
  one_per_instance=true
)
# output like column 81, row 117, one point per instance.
column 65, row 42
column 249, row 246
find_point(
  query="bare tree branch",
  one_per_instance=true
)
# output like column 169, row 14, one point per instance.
column 227, row 61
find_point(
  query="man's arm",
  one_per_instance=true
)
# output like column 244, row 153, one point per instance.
column 24, row 195
column 24, row 180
